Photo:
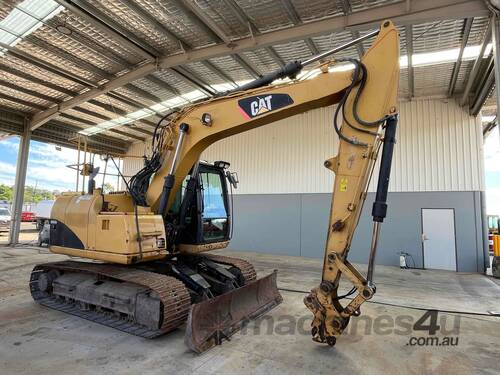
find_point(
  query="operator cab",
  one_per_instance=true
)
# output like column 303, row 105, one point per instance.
column 202, row 209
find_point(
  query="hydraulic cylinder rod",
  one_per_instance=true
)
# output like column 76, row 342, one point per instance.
column 170, row 178
column 340, row 48
column 379, row 209
column 293, row 68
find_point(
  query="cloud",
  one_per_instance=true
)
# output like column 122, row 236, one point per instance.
column 7, row 168
column 47, row 167
column 11, row 143
column 493, row 201
column 492, row 152
column 6, row 179
column 492, row 163
column 7, row 173
column 52, row 172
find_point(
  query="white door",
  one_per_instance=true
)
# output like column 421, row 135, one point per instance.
column 438, row 237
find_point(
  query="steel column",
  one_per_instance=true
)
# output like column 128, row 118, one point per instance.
column 409, row 53
column 495, row 38
column 458, row 64
column 21, row 168
column 484, row 89
column 476, row 66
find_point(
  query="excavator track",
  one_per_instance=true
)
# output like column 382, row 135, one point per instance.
column 174, row 296
column 245, row 267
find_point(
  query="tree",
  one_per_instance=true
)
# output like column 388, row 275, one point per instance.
column 32, row 195
column 6, row 193
column 108, row 188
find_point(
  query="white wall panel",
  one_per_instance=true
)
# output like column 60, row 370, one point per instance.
column 132, row 164
column 284, row 157
column 439, row 148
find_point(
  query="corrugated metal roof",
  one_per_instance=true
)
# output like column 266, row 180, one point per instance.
column 69, row 61
column 210, row 76
column 25, row 97
column 170, row 15
column 82, row 30
column 262, row 60
column 118, row 105
column 25, row 67
column 174, row 81
column 327, row 42
column 437, row 36
column 266, row 15
column 127, row 92
column 432, row 81
column 312, row 10
column 83, row 51
column 133, row 22
column 296, row 50
column 403, row 83
column 229, row 66
column 23, row 83
column 15, row 105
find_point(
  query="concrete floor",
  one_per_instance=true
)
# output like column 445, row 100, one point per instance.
column 28, row 235
column 34, row 339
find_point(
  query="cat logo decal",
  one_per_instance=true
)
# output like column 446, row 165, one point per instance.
column 260, row 104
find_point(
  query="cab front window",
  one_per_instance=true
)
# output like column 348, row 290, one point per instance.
column 215, row 215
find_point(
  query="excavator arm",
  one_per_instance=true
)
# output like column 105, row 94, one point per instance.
column 367, row 100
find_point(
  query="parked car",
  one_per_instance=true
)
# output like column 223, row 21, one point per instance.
column 4, row 219
column 42, row 212
column 44, row 234
column 28, row 216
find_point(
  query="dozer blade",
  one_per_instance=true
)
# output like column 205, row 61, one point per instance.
column 211, row 321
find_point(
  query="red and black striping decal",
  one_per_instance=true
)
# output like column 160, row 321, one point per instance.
column 258, row 105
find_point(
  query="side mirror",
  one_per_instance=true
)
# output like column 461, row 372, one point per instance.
column 232, row 177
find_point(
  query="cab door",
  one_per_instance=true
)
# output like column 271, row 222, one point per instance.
column 214, row 213
column 204, row 211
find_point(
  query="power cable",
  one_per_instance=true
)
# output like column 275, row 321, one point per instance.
column 404, row 306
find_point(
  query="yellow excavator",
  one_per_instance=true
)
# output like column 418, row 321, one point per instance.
column 151, row 271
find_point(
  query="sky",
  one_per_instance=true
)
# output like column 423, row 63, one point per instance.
column 47, row 167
